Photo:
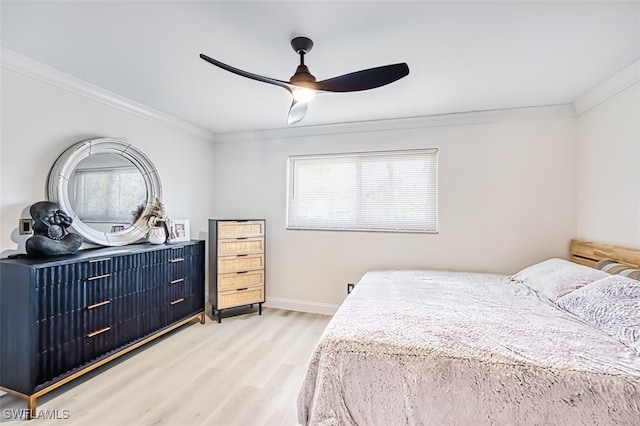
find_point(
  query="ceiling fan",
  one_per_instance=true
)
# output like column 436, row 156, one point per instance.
column 303, row 85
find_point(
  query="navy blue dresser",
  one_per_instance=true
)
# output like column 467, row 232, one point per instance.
column 65, row 316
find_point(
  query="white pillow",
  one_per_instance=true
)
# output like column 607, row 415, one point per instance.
column 555, row 277
column 611, row 304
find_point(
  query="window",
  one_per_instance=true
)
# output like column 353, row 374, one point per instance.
column 370, row 191
column 108, row 194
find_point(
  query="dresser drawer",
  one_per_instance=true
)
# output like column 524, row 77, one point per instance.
column 178, row 251
column 178, row 268
column 53, row 363
column 99, row 341
column 240, row 263
column 239, row 280
column 98, row 317
column 229, row 299
column 55, row 300
column 177, row 288
column 100, row 266
column 180, row 307
column 240, row 246
column 56, row 331
column 108, row 264
column 110, row 286
column 170, row 254
column 240, row 229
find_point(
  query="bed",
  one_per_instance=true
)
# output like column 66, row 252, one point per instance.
column 556, row 343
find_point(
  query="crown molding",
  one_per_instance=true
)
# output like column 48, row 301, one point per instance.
column 15, row 62
column 610, row 87
column 440, row 120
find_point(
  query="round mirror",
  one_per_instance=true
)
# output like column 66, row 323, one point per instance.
column 100, row 183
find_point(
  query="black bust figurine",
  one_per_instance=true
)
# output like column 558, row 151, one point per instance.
column 51, row 237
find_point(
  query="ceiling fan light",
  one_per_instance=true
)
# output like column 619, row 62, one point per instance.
column 301, row 94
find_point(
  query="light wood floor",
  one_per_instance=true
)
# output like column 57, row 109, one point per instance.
column 245, row 371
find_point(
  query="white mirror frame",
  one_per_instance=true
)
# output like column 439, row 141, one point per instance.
column 58, row 185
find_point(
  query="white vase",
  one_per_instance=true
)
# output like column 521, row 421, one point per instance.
column 157, row 235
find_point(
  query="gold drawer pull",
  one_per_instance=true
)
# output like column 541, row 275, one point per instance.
column 102, row 259
column 177, row 281
column 95, row 305
column 243, row 289
column 179, row 259
column 98, row 277
column 177, row 301
column 176, row 248
column 95, row 333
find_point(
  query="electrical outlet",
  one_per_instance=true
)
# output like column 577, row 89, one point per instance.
column 26, row 226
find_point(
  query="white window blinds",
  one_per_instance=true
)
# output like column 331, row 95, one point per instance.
column 108, row 195
column 371, row 191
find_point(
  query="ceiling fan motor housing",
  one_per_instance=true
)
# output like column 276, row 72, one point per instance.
column 302, row 76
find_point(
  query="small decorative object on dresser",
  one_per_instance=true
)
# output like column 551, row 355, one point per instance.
column 156, row 219
column 157, row 235
column 51, row 237
column 236, row 264
column 179, row 230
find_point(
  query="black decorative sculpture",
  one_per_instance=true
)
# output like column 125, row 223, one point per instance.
column 51, row 237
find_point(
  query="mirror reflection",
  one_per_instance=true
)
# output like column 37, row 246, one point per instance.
column 104, row 189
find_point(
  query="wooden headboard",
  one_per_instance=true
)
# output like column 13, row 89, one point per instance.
column 589, row 253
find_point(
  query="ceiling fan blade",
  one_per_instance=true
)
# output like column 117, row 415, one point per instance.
column 365, row 79
column 297, row 111
column 247, row 74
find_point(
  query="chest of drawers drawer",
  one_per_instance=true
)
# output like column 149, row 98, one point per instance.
column 240, row 280
column 233, row 247
column 240, row 263
column 240, row 229
column 246, row 296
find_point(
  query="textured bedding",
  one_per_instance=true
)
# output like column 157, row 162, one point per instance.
column 451, row 348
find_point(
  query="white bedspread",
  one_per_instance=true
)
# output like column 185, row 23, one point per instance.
column 449, row 348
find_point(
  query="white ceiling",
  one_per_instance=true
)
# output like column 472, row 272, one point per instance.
column 463, row 56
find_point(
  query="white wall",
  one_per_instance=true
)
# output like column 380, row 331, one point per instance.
column 507, row 198
column 40, row 120
column 609, row 172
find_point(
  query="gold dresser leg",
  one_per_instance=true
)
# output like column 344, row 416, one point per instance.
column 202, row 318
column 31, row 402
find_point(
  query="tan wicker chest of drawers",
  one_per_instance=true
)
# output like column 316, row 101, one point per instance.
column 236, row 264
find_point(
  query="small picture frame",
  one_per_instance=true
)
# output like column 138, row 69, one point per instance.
column 179, row 230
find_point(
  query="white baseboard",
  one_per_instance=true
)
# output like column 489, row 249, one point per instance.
column 301, row 306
